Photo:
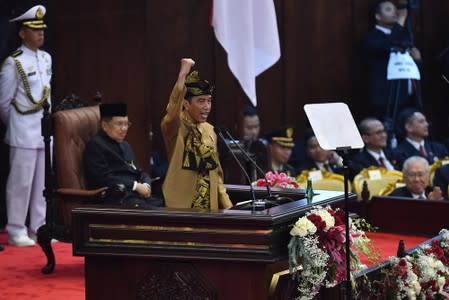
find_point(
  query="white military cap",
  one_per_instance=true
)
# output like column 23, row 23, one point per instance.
column 33, row 18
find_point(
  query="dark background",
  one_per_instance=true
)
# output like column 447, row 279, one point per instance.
column 130, row 50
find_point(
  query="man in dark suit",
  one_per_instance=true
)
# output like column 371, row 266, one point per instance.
column 319, row 159
column 388, row 35
column 441, row 179
column 416, row 178
column 280, row 144
column 109, row 160
column 416, row 131
column 375, row 152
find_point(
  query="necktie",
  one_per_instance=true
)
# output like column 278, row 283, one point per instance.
column 382, row 162
column 422, row 150
column 421, row 197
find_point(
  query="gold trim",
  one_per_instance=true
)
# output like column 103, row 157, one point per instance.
column 274, row 282
column 364, row 175
column 185, row 244
column 434, row 167
column 180, row 229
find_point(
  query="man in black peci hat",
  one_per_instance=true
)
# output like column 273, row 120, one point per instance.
column 194, row 178
column 109, row 160
column 280, row 148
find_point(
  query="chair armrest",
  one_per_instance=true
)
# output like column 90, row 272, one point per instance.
column 81, row 193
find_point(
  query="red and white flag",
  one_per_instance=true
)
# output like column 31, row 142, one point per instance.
column 247, row 30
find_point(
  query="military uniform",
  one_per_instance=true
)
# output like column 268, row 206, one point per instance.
column 181, row 185
column 24, row 87
column 282, row 137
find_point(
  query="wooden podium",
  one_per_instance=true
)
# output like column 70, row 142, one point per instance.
column 187, row 253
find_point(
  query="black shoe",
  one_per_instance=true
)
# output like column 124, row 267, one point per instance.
column 1, row 247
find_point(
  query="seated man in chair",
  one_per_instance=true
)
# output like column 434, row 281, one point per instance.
column 375, row 152
column 109, row 160
column 416, row 178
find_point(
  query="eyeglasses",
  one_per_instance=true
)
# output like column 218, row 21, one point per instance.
column 121, row 124
column 379, row 132
column 415, row 174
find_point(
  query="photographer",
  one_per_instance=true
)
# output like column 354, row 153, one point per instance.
column 390, row 34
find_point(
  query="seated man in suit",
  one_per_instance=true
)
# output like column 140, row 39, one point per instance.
column 416, row 178
column 375, row 152
column 109, row 160
column 441, row 180
column 416, row 131
column 280, row 144
column 320, row 159
column 251, row 125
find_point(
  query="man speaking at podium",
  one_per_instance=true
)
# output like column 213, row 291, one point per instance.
column 194, row 178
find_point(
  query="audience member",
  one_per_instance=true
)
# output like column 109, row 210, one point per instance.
column 416, row 178
column 416, row 129
column 388, row 35
column 194, row 177
column 441, row 179
column 320, row 159
column 375, row 152
column 280, row 144
column 24, row 88
column 251, row 124
column 109, row 160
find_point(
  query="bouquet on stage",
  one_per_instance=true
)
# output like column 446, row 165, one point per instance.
column 279, row 180
column 317, row 254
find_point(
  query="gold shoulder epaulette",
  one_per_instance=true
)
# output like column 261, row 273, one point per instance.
column 16, row 53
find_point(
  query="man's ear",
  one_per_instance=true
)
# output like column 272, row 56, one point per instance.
column 377, row 17
column 186, row 104
column 22, row 33
column 408, row 127
column 365, row 138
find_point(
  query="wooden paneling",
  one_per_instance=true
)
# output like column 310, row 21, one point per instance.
column 131, row 50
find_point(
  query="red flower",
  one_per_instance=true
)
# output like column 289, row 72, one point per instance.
column 317, row 221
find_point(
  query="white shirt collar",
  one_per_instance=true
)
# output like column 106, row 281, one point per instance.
column 375, row 154
column 415, row 144
column 383, row 29
column 416, row 196
column 28, row 51
column 387, row 163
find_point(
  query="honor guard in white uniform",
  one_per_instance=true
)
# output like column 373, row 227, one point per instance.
column 24, row 87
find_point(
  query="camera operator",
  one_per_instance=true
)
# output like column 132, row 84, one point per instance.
column 390, row 34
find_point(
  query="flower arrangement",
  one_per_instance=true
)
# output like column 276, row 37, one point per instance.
column 421, row 275
column 317, row 254
column 280, row 180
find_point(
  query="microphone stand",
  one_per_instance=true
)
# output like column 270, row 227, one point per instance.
column 249, row 158
column 253, row 195
column 348, row 286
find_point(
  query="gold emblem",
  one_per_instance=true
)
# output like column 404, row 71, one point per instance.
column 289, row 132
column 39, row 13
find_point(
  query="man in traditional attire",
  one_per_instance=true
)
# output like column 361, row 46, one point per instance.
column 24, row 88
column 110, row 162
column 194, row 177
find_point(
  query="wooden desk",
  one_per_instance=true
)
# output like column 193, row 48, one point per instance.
column 186, row 253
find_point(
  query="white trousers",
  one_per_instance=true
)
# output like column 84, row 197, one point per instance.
column 24, row 190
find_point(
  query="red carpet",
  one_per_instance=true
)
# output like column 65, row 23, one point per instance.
column 21, row 277
column 387, row 243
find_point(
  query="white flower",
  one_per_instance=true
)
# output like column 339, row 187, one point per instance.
column 303, row 227
column 325, row 216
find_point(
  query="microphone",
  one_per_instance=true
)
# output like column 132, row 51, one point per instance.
column 219, row 132
column 250, row 159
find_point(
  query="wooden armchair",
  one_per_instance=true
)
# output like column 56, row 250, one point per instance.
column 65, row 185
column 378, row 181
column 327, row 182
